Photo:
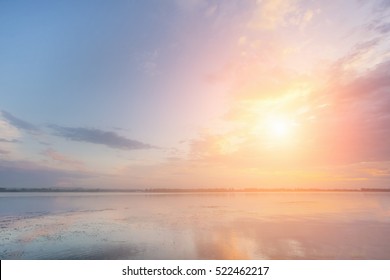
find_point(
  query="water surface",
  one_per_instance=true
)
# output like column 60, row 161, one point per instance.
column 280, row 225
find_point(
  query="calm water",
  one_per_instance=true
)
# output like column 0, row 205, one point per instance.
column 195, row 226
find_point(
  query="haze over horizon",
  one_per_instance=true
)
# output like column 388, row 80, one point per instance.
column 197, row 93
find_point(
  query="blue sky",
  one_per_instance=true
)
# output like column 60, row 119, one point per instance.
column 197, row 93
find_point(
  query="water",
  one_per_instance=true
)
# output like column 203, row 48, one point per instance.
column 195, row 226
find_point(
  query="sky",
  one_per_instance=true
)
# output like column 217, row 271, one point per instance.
column 194, row 94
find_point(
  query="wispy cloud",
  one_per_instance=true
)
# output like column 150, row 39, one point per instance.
column 25, row 174
column 97, row 136
column 2, row 152
column 191, row 5
column 383, row 28
column 63, row 159
column 8, row 140
column 270, row 14
column 349, row 124
column 19, row 123
column 147, row 61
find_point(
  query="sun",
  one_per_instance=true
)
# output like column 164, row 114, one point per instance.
column 278, row 127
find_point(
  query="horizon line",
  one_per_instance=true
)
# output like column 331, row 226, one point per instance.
column 191, row 190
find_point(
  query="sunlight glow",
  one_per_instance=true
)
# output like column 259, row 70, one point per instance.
column 279, row 127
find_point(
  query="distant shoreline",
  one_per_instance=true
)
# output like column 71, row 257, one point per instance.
column 198, row 190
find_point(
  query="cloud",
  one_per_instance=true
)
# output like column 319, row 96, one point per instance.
column 383, row 28
column 358, row 58
column 8, row 140
column 191, row 5
column 63, row 159
column 337, row 122
column 25, row 174
column 147, row 62
column 8, row 132
column 97, row 136
column 9, row 135
column 373, row 82
column 271, row 14
column 383, row 5
column 362, row 108
column 18, row 123
column 3, row 152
